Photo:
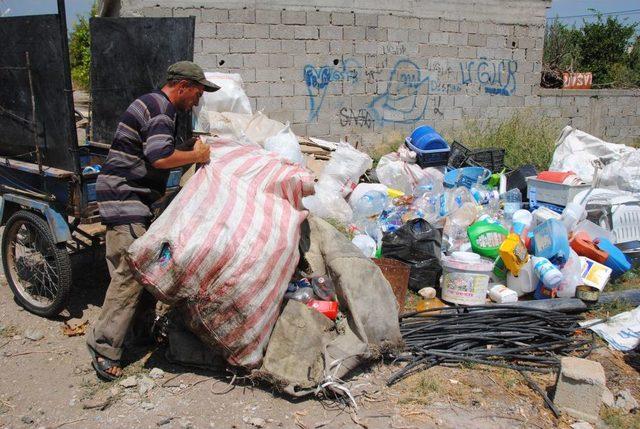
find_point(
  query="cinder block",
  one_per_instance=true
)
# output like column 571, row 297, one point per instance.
column 409, row 22
column 468, row 27
column 449, row 26
column 338, row 18
column 398, row 35
column 504, row 30
column 247, row 75
column 242, row 46
column 496, row 41
column 579, row 388
column 281, row 89
column 268, row 104
column 341, row 47
column 366, row 47
column 318, row 18
column 419, row 36
column 190, row 11
column 280, row 60
column 197, row 45
column 268, row 16
column 465, row 52
column 447, row 51
column 330, row 33
column 486, row 28
column 317, row 46
column 215, row 46
column 256, row 31
column 462, row 101
column 479, row 40
column 231, row 60
column 353, row 33
column 215, row 15
column 430, row 24
column 305, row 32
column 246, row 16
column 268, row 46
column 381, row 34
column 281, row 32
column 157, row 12
column 458, row 39
column 439, row 38
column 230, row 31
column 389, row 21
column 206, row 29
column 521, row 30
column 296, row 46
column 256, row 61
column 267, row 75
column 259, row 89
column 366, row 19
column 294, row 17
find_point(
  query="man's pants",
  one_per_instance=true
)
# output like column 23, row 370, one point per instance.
column 123, row 295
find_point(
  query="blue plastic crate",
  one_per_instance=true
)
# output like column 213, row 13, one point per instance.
column 435, row 157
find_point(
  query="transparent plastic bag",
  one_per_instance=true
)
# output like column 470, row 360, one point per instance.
column 286, row 145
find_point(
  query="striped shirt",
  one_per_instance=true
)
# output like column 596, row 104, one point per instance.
column 128, row 183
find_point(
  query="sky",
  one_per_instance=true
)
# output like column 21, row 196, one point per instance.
column 560, row 8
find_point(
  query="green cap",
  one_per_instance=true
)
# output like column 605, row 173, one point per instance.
column 190, row 71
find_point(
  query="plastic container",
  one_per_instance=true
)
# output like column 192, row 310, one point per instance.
column 518, row 178
column 491, row 158
column 543, row 214
column 431, row 149
column 594, row 274
column 550, row 241
column 323, row 288
column 625, row 220
column 553, row 193
column 362, row 188
column 372, row 203
column 572, row 214
column 571, row 277
column 525, row 282
column 458, row 155
column 366, row 244
column 502, row 295
column 546, row 272
column 465, row 278
column 466, row 176
column 486, row 237
column 512, row 203
column 583, row 245
column 328, row 308
column 513, row 253
column 617, row 261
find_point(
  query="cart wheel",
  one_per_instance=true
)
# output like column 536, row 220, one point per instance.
column 37, row 269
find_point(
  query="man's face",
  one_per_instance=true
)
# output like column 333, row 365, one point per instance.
column 189, row 94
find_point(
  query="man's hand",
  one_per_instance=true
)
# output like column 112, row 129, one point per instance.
column 201, row 152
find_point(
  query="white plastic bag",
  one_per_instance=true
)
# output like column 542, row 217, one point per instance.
column 621, row 331
column 286, row 145
column 229, row 98
column 338, row 179
column 623, row 173
column 394, row 171
column 577, row 151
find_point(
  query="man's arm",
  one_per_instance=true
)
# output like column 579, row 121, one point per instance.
column 199, row 154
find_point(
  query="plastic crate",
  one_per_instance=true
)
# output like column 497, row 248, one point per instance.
column 430, row 158
column 491, row 158
column 458, row 155
column 554, row 193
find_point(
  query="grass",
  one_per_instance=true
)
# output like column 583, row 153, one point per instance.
column 618, row 419
column 8, row 331
column 527, row 139
column 423, row 392
column 628, row 281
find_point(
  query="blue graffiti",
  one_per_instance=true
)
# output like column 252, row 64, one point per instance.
column 319, row 79
column 495, row 77
column 399, row 103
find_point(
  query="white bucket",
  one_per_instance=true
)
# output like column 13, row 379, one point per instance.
column 465, row 278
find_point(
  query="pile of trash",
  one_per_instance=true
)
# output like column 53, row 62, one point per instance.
column 472, row 230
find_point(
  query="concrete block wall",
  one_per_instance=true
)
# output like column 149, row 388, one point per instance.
column 366, row 70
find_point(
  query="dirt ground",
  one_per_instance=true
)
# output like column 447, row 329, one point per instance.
column 48, row 382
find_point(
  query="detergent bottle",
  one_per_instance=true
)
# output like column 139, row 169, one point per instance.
column 550, row 278
column 486, row 237
column 550, row 241
column 513, row 253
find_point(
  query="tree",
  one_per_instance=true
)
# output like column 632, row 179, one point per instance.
column 80, row 50
column 561, row 49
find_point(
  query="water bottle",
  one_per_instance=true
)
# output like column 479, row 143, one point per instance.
column 323, row 288
column 547, row 272
column 512, row 203
column 303, row 294
column 370, row 204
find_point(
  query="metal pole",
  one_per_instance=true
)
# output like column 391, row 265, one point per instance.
column 34, row 122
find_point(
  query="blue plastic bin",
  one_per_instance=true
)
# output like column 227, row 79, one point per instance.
column 431, row 149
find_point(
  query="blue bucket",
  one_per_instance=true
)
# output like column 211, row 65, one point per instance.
column 466, row 176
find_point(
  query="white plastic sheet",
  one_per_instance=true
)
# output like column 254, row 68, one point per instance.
column 397, row 171
column 622, row 331
column 229, row 98
column 577, row 151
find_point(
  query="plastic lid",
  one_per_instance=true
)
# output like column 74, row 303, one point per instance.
column 469, row 257
column 467, row 261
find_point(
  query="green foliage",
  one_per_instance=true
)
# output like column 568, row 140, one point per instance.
column 80, row 50
column 605, row 47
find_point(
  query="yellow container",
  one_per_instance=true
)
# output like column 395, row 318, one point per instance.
column 513, row 253
column 394, row 193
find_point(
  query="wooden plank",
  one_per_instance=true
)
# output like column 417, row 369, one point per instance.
column 33, row 168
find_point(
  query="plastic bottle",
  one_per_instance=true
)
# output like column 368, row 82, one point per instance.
column 501, row 294
column 512, row 203
column 303, row 294
column 323, row 288
column 370, row 204
column 546, row 272
column 572, row 214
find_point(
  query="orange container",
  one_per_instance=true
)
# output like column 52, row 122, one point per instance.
column 583, row 245
column 328, row 308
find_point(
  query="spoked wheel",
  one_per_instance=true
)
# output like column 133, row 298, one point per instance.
column 37, row 269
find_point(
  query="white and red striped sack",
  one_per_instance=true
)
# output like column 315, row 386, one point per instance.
column 227, row 247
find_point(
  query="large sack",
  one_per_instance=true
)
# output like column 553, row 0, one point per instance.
column 229, row 98
column 306, row 349
column 227, row 246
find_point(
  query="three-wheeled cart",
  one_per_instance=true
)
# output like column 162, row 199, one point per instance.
column 47, row 193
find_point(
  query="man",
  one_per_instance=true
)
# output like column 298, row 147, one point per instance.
column 133, row 177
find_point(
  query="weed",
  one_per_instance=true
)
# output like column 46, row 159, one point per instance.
column 390, row 143
column 526, row 141
column 612, row 308
column 428, row 385
column 8, row 331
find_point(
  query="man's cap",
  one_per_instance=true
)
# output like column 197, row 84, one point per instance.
column 190, row 71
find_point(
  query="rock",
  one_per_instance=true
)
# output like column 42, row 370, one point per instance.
column 99, row 402
column 114, row 391
column 186, row 424
column 476, row 390
column 625, row 401
column 27, row 420
column 164, row 421
column 33, row 334
column 579, row 388
column 607, row 398
column 156, row 373
column 130, row 401
column 581, row 425
column 427, row 292
column 129, row 382
column 147, row 406
column 145, row 385
column 255, row 421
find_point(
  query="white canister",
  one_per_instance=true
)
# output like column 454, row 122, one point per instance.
column 502, row 294
column 465, row 278
column 526, row 280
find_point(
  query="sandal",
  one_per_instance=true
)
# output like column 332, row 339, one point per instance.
column 102, row 366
